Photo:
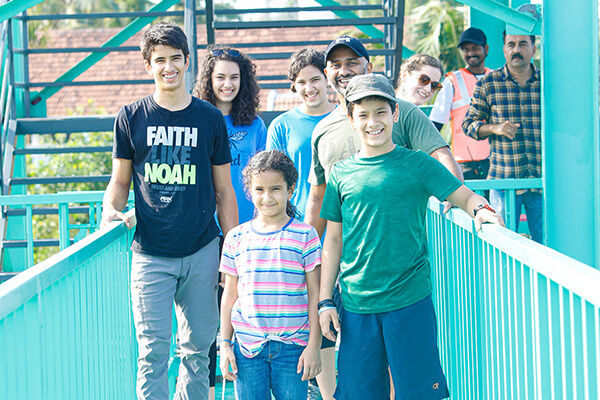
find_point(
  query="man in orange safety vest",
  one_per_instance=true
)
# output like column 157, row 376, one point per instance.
column 453, row 100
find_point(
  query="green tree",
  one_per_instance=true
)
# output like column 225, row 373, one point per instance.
column 435, row 29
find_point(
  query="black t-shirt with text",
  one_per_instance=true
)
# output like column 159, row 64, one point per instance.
column 172, row 153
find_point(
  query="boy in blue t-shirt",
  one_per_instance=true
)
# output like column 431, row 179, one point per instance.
column 375, row 206
column 291, row 131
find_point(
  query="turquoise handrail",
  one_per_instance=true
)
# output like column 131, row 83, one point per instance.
column 66, row 327
column 93, row 198
column 517, row 320
column 509, row 186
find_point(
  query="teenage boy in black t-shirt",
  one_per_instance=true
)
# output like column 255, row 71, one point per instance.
column 176, row 149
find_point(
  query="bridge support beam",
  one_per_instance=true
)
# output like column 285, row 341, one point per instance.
column 570, row 129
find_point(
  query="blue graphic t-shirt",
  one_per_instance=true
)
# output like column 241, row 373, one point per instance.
column 291, row 133
column 244, row 142
column 172, row 154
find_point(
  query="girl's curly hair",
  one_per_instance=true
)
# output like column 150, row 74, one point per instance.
column 272, row 160
column 245, row 104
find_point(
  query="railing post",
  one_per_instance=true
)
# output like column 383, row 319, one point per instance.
column 511, row 213
column 398, row 39
column 29, row 233
column 25, row 66
column 63, row 225
column 570, row 129
column 210, row 19
column 190, row 31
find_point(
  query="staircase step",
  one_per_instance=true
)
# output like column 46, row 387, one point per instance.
column 38, row 126
column 59, row 179
column 62, row 150
column 12, row 244
column 46, row 210
column 4, row 276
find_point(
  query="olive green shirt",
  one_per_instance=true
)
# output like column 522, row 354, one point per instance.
column 334, row 140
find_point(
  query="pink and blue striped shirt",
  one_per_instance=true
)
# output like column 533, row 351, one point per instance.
column 271, row 268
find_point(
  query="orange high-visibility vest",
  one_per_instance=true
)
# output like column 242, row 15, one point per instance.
column 464, row 147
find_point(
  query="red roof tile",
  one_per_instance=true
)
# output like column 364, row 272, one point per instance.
column 129, row 65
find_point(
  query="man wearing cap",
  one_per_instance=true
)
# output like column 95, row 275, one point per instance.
column 506, row 110
column 452, row 103
column 334, row 139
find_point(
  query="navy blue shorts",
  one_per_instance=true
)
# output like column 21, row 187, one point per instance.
column 405, row 340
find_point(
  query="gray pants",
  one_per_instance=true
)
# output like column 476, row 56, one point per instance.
column 191, row 282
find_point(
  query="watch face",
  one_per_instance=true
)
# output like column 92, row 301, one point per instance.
column 486, row 206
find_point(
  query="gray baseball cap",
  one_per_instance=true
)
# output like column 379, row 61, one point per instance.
column 361, row 86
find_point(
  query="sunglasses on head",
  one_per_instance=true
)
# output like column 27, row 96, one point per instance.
column 424, row 80
column 220, row 52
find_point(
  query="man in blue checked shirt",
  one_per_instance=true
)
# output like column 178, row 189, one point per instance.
column 506, row 109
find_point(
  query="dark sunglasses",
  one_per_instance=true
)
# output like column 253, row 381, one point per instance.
column 424, row 80
column 220, row 52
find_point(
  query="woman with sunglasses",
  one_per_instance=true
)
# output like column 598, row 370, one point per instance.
column 226, row 79
column 419, row 80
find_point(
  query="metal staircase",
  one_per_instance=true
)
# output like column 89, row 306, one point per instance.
column 28, row 127
column 23, row 111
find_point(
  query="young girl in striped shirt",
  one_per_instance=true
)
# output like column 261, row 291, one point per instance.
column 269, row 324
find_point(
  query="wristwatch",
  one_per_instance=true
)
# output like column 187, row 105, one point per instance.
column 486, row 206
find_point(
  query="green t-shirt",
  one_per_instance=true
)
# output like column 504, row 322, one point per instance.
column 334, row 140
column 381, row 202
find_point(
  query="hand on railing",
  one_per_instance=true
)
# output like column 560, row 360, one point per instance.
column 110, row 214
column 447, row 206
column 487, row 215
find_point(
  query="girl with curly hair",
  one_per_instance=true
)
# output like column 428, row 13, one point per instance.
column 226, row 79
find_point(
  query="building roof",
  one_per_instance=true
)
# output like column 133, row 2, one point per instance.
column 130, row 66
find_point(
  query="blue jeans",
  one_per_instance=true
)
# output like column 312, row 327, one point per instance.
column 273, row 369
column 533, row 209
column 191, row 283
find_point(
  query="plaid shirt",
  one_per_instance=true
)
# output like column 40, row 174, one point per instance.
column 497, row 98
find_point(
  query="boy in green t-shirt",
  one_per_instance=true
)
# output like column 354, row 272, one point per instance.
column 375, row 206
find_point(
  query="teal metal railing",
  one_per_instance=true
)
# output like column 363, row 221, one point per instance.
column 92, row 199
column 510, row 186
column 66, row 328
column 516, row 320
